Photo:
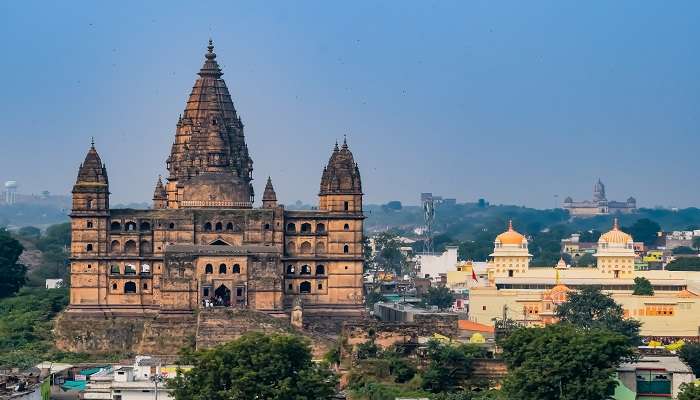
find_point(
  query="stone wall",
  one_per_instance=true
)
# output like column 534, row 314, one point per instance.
column 387, row 334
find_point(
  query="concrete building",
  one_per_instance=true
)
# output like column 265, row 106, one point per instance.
column 10, row 192
column 435, row 265
column 653, row 377
column 144, row 380
column 599, row 205
column 530, row 295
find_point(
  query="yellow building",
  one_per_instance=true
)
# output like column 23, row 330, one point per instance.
column 530, row 295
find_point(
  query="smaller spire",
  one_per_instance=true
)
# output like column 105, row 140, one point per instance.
column 269, row 198
column 616, row 225
column 510, row 224
column 345, row 142
column 92, row 142
column 336, row 146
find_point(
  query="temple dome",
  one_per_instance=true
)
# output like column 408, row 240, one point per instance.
column 615, row 236
column 511, row 236
column 92, row 171
column 341, row 175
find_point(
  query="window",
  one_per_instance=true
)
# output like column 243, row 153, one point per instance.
column 305, row 270
column 346, row 227
column 291, row 227
column 236, row 269
column 305, row 248
column 320, row 270
column 89, row 203
column 114, row 269
column 320, row 248
column 306, row 228
column 219, row 227
column 346, row 249
column 346, row 205
column 115, row 246
column 229, row 226
column 207, row 227
column 510, row 273
column 483, row 308
column 290, row 269
column 145, row 226
column 305, row 287
column 88, row 247
column 89, row 224
column 130, row 287
column 267, row 227
column 114, row 286
column 320, row 286
column 129, row 269
column 222, row 268
column 115, row 226
column 320, row 228
column 209, row 269
column 290, row 286
column 290, row 247
column 206, row 292
column 130, row 226
column 239, row 292
column 145, row 285
column 146, row 247
column 130, row 247
column 171, row 225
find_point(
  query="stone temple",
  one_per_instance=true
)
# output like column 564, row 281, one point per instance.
column 204, row 242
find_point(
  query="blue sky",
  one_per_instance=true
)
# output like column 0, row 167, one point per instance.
column 511, row 101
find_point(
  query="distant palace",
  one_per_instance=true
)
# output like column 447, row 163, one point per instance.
column 203, row 242
column 600, row 204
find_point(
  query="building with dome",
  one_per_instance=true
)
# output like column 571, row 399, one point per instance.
column 599, row 205
column 204, row 242
column 530, row 294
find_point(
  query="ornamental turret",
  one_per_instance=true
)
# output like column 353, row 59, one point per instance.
column 91, row 189
column 160, row 196
column 269, row 198
column 341, row 185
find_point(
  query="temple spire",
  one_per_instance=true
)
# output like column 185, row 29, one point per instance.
column 269, row 198
column 211, row 67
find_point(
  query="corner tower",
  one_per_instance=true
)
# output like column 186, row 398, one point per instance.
column 510, row 254
column 615, row 254
column 209, row 164
column 341, row 186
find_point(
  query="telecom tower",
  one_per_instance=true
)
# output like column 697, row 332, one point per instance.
column 429, row 216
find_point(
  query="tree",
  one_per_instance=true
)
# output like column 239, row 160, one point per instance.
column 12, row 273
column 696, row 242
column 372, row 298
column 29, row 232
column 449, row 365
column 689, row 391
column 684, row 264
column 644, row 230
column 684, row 250
column 441, row 297
column 642, row 287
column 591, row 236
column 255, row 366
column 561, row 361
column 586, row 260
column 690, row 353
column 388, row 255
column 589, row 309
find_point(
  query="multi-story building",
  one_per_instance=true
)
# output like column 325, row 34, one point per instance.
column 203, row 241
column 599, row 205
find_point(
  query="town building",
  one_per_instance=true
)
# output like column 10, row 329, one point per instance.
column 530, row 295
column 599, row 205
column 435, row 265
column 10, row 192
column 203, row 241
column 652, row 377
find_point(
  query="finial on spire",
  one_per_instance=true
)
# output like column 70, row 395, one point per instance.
column 92, row 142
column 336, row 145
column 345, row 142
column 211, row 46
column 510, row 224
column 616, row 225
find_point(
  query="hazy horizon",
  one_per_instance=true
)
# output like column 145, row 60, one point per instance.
column 512, row 102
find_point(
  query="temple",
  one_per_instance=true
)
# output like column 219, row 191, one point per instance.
column 204, row 242
column 599, row 205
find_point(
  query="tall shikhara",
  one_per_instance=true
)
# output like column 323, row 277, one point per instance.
column 209, row 164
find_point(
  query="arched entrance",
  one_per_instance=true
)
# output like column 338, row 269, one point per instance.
column 222, row 296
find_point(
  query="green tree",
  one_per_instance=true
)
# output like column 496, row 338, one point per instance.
column 388, row 255
column 440, row 296
column 644, row 230
column 684, row 250
column 689, row 391
column 690, row 353
column 642, row 287
column 372, row 298
column 586, row 260
column 696, row 242
column 562, row 362
column 477, row 249
column 29, row 232
column 12, row 272
column 255, row 366
column 684, row 264
column 590, row 309
column 449, row 365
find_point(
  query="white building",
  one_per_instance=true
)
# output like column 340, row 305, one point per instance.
column 145, row 380
column 433, row 265
column 54, row 283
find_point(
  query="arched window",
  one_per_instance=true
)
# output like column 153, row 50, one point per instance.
column 171, row 225
column 89, row 224
column 207, row 227
column 305, row 270
column 89, row 203
column 346, row 227
column 320, row 270
column 236, row 269
column 130, row 226
column 88, row 247
column 130, row 247
column 146, row 247
column 305, row 248
column 320, row 286
column 291, row 227
column 222, row 268
column 209, row 269
column 320, row 228
column 290, row 269
column 130, row 287
column 346, row 249
column 320, row 248
column 290, row 247
column 114, row 286
column 115, row 226
column 229, row 226
column 305, row 287
column 145, row 226
column 306, row 227
column 219, row 227
column 115, row 246
column 145, row 285
column 114, row 269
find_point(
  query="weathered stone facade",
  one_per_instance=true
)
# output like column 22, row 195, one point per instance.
column 203, row 239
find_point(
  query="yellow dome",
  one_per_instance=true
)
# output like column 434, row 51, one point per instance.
column 615, row 236
column 511, row 236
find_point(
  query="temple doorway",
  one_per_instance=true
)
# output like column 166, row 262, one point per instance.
column 222, row 296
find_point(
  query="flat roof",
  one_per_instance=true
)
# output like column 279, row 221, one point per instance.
column 668, row 363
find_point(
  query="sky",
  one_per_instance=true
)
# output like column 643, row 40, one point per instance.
column 516, row 102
